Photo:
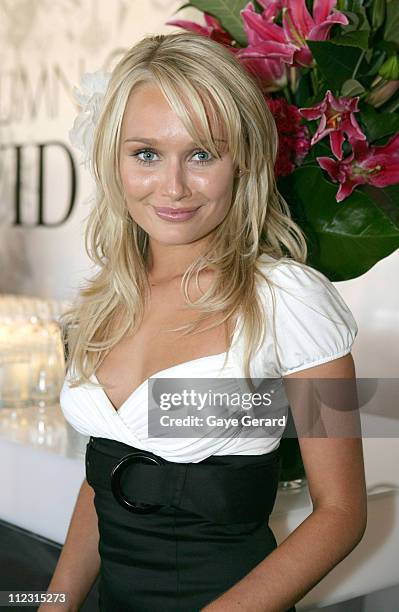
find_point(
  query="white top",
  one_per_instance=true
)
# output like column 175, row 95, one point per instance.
column 313, row 325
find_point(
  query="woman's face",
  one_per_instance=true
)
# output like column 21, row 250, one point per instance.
column 161, row 168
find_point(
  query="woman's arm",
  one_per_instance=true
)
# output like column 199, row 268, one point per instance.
column 335, row 473
column 79, row 561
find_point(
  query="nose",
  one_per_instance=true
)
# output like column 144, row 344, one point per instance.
column 175, row 182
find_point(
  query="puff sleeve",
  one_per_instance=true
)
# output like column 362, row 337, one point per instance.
column 313, row 324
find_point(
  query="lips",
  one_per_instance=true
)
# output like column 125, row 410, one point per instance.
column 174, row 211
column 175, row 215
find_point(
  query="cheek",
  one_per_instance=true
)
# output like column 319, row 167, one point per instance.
column 134, row 182
column 217, row 183
column 220, row 188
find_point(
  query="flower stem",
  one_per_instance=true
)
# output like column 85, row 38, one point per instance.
column 314, row 80
column 287, row 94
column 359, row 61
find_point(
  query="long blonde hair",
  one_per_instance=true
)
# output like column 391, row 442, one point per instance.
column 186, row 67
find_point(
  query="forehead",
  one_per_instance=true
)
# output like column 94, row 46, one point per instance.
column 148, row 109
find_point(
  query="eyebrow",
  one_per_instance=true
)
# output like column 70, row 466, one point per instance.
column 154, row 140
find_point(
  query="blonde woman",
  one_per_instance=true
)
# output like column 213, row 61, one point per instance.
column 201, row 275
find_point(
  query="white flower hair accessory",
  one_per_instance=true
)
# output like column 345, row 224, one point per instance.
column 90, row 97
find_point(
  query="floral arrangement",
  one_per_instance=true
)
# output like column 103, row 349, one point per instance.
column 329, row 70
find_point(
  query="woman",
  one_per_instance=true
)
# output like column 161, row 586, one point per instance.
column 191, row 235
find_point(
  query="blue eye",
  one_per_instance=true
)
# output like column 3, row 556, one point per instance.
column 144, row 161
column 149, row 162
column 204, row 161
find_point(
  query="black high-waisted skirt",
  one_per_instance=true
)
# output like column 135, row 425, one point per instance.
column 174, row 559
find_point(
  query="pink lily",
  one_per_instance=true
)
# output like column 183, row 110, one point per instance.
column 298, row 27
column 271, row 72
column 266, row 40
column 271, row 8
column 337, row 118
column 267, row 53
column 378, row 166
column 212, row 29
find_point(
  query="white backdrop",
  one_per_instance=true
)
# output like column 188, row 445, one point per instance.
column 45, row 46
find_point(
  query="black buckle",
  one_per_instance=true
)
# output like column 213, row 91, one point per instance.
column 116, row 482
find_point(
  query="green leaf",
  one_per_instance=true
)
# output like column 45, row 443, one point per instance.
column 228, row 13
column 335, row 62
column 351, row 87
column 355, row 5
column 377, row 13
column 345, row 238
column 356, row 32
column 391, row 31
column 353, row 39
column 374, row 58
column 377, row 125
column 388, row 46
column 390, row 68
column 387, row 199
column 303, row 91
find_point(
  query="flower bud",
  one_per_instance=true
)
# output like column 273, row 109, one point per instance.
column 382, row 92
column 390, row 69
